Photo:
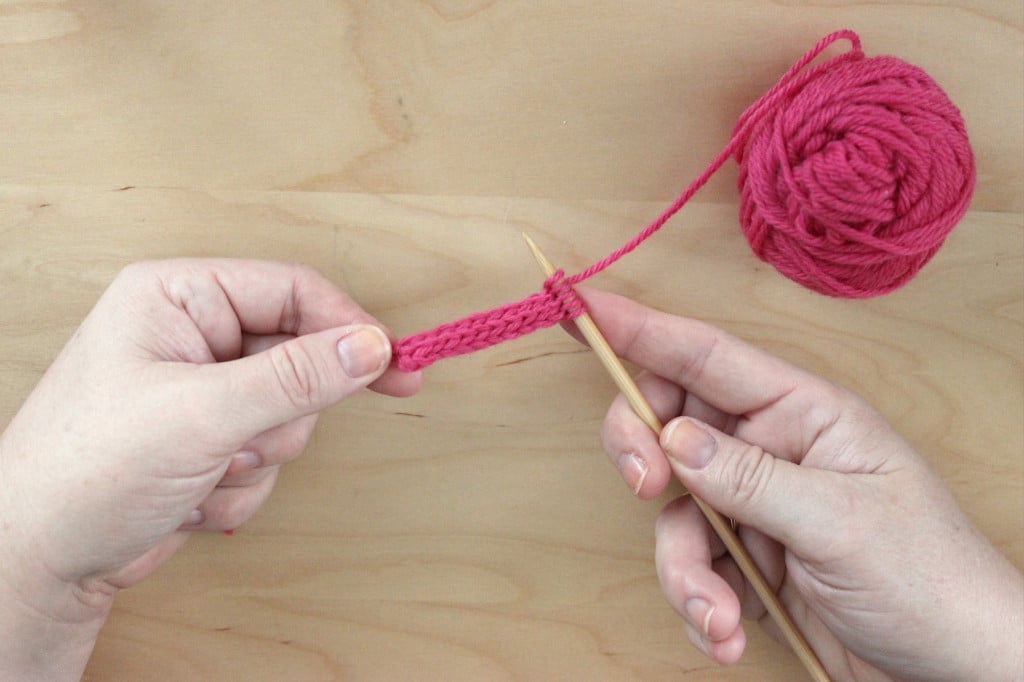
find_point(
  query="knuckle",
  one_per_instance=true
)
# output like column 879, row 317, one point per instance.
column 749, row 477
column 132, row 270
column 245, row 478
column 671, row 514
column 677, row 517
column 610, row 435
column 234, row 509
column 828, row 399
column 661, row 522
column 293, row 441
column 614, row 431
column 696, row 366
column 302, row 277
column 833, row 394
column 134, row 274
column 296, row 375
column 674, row 583
column 307, row 271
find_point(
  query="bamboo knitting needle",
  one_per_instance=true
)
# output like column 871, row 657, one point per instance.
column 718, row 522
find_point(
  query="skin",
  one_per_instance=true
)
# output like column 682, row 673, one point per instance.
column 170, row 410
column 865, row 545
column 191, row 382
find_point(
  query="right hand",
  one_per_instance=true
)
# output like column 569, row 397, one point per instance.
column 867, row 548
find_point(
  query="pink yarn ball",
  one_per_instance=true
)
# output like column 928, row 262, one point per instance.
column 850, row 183
column 852, row 173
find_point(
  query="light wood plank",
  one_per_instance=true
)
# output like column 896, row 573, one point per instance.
column 476, row 531
column 592, row 99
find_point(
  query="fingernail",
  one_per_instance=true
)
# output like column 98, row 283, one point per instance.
column 633, row 471
column 245, row 461
column 364, row 350
column 688, row 443
column 699, row 611
column 195, row 517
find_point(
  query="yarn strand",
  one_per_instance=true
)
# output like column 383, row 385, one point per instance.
column 742, row 128
column 851, row 174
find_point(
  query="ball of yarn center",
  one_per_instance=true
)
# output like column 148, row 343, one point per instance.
column 851, row 182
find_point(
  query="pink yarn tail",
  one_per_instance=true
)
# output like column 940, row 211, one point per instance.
column 555, row 302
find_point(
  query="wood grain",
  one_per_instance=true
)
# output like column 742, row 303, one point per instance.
column 577, row 99
column 476, row 531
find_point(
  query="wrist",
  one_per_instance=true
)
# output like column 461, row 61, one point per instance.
column 36, row 645
column 985, row 621
column 1000, row 622
column 48, row 626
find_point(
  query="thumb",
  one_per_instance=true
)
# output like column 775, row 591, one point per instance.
column 295, row 378
column 795, row 505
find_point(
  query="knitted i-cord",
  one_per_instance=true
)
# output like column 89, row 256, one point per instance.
column 851, row 174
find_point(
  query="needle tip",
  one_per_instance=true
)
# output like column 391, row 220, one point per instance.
column 529, row 242
column 544, row 263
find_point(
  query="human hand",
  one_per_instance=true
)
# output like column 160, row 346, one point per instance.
column 866, row 547
column 170, row 410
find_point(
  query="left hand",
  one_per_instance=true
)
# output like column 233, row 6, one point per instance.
column 170, row 410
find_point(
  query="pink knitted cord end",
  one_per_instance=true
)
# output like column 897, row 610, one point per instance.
column 557, row 301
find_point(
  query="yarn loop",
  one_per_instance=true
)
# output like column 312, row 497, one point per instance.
column 851, row 175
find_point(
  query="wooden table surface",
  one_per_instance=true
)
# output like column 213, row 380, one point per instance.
column 476, row 531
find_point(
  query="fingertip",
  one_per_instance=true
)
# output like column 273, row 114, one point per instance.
column 194, row 521
column 673, row 508
column 364, row 351
column 712, row 609
column 397, row 383
column 656, row 480
column 688, row 443
column 633, row 470
column 722, row 623
column 729, row 650
column 629, row 442
column 674, row 518
column 243, row 462
column 645, row 476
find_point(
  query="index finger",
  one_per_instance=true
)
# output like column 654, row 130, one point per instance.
column 270, row 298
column 720, row 369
